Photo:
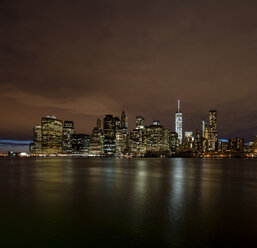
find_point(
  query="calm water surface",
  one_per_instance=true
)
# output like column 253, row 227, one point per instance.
column 177, row 202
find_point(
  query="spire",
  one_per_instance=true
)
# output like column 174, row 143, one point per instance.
column 178, row 106
column 98, row 123
column 123, row 115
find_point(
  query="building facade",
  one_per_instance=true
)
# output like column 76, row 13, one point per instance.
column 80, row 144
column 51, row 135
column 36, row 146
column 156, row 144
column 137, row 139
column 96, row 145
column 109, row 129
column 121, row 136
column 178, row 124
column 212, row 130
column 67, row 137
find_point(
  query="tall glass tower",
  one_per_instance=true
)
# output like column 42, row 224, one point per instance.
column 213, row 134
column 178, row 124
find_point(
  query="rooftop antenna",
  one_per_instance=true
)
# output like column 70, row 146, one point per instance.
column 178, row 105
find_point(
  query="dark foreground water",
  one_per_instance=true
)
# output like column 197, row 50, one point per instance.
column 128, row 203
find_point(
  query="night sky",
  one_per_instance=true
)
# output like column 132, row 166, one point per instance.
column 80, row 60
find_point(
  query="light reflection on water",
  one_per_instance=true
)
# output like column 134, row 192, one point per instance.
column 128, row 202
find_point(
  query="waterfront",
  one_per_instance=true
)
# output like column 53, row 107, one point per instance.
column 63, row 202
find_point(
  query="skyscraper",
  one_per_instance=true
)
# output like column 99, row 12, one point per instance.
column 236, row 144
column 121, row 138
column 110, row 126
column 124, row 120
column 173, row 141
column 67, row 137
column 212, row 135
column 189, row 140
column 80, row 144
column 157, row 140
column 51, row 135
column 137, row 141
column 36, row 146
column 96, row 145
column 140, row 122
column 203, row 128
column 178, row 124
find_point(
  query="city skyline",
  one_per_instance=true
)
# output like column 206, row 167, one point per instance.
column 81, row 60
column 113, row 137
column 23, row 145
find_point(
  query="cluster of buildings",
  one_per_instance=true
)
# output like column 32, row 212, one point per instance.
column 113, row 138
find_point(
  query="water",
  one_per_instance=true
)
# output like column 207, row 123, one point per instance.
column 61, row 202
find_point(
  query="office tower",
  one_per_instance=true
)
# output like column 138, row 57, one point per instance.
column 51, row 135
column 178, row 124
column 166, row 141
column 197, row 141
column 203, row 129
column 219, row 146
column 137, row 142
column 137, row 139
column 96, row 145
column 224, row 146
column 204, row 145
column 80, row 144
column 121, row 138
column 36, row 146
column 110, row 126
column 206, row 132
column 173, row 141
column 212, row 135
column 155, row 144
column 188, row 135
column 236, row 144
column 121, row 141
column 140, row 122
column 68, row 132
column 124, row 120
column 188, row 140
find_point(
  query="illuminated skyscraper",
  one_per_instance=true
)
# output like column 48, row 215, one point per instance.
column 51, row 135
column 157, row 140
column 96, row 145
column 206, row 132
column 121, row 138
column 36, row 146
column 178, row 124
column 137, row 140
column 189, row 140
column 110, row 126
column 123, row 121
column 67, row 137
column 203, row 128
column 212, row 135
column 173, row 141
column 121, row 141
column 140, row 122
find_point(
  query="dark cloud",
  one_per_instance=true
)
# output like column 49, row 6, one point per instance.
column 82, row 59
